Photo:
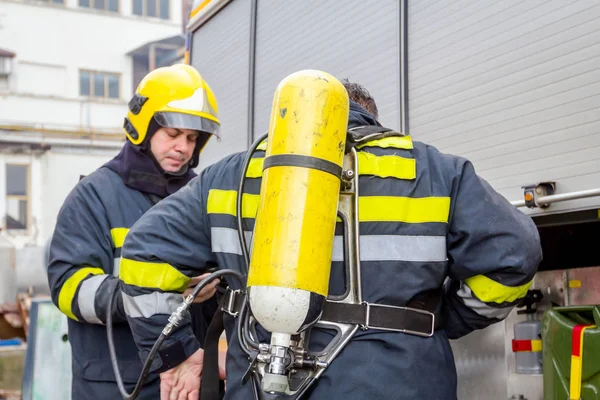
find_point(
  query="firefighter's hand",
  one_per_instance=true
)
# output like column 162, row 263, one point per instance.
column 222, row 364
column 206, row 293
column 183, row 381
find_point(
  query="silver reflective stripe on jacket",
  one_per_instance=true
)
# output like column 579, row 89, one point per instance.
column 225, row 240
column 147, row 305
column 396, row 248
column 116, row 265
column 480, row 307
column 87, row 296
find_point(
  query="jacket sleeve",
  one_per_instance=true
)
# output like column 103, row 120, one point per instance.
column 493, row 253
column 165, row 247
column 80, row 254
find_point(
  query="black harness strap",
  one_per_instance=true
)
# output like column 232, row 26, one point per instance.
column 363, row 134
column 297, row 160
column 368, row 130
column 417, row 318
column 210, row 388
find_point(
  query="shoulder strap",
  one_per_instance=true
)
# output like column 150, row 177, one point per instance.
column 368, row 130
column 363, row 134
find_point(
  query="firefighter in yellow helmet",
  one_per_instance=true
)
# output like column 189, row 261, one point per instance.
column 171, row 116
column 173, row 97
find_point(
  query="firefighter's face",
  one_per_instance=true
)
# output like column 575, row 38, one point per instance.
column 173, row 148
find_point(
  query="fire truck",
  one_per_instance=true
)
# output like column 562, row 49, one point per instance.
column 514, row 86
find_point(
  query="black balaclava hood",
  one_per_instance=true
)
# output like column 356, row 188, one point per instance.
column 139, row 170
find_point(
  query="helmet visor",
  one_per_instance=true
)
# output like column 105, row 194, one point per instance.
column 186, row 121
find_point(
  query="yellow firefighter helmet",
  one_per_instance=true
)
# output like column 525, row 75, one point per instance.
column 176, row 97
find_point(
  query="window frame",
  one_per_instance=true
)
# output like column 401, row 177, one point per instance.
column 106, row 75
column 106, row 10
column 157, row 10
column 6, row 66
column 26, row 197
column 58, row 3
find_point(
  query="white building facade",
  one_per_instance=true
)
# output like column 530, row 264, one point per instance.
column 67, row 71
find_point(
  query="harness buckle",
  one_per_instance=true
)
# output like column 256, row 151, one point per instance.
column 230, row 302
column 366, row 325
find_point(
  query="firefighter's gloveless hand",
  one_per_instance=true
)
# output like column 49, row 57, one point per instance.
column 206, row 293
column 183, row 381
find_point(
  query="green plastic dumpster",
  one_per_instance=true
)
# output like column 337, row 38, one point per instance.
column 557, row 333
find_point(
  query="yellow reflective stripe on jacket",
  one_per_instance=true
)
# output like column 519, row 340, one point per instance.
column 490, row 291
column 152, row 275
column 371, row 208
column 69, row 288
column 386, row 166
column 255, row 168
column 118, row 236
column 391, row 166
column 262, row 146
column 395, row 142
column 403, row 209
column 224, row 201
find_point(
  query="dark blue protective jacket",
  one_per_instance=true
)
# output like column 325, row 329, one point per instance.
column 83, row 267
column 426, row 218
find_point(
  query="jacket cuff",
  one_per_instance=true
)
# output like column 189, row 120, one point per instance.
column 453, row 324
column 174, row 350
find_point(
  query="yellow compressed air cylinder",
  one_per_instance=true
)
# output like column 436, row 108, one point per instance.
column 293, row 238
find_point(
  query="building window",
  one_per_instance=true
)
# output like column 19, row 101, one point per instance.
column 152, row 57
column 5, row 65
column 152, row 8
column 17, row 196
column 104, row 5
column 6, row 62
column 99, row 84
column 53, row 1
